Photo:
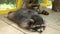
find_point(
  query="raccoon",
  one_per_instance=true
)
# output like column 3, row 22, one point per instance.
column 28, row 19
column 35, row 5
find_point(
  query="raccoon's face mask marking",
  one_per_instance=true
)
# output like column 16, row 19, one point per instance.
column 38, row 28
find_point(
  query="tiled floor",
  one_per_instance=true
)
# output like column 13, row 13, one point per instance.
column 52, row 25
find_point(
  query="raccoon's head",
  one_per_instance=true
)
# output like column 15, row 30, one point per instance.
column 38, row 25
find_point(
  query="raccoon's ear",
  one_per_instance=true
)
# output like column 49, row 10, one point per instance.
column 31, row 20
